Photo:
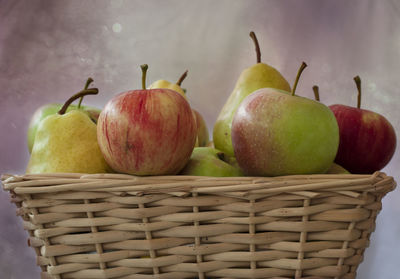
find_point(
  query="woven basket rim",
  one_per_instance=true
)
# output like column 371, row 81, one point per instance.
column 181, row 185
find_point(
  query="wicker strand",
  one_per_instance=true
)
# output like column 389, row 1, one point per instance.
column 53, row 260
column 18, row 203
column 303, row 239
column 197, row 240
column 94, row 229
column 252, row 231
column 366, row 234
column 152, row 252
column 346, row 243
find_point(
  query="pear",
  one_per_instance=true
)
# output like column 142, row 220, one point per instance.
column 208, row 161
column 169, row 85
column 337, row 169
column 50, row 109
column 255, row 77
column 67, row 142
column 203, row 137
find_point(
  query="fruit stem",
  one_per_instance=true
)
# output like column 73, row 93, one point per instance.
column 183, row 76
column 258, row 52
column 91, row 91
column 88, row 82
column 302, row 67
column 144, row 71
column 357, row 79
column 316, row 92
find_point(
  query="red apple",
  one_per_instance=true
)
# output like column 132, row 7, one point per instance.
column 147, row 131
column 367, row 139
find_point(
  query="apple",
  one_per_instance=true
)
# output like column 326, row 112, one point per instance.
column 208, row 161
column 367, row 139
column 147, row 131
column 51, row 109
column 203, row 137
column 275, row 132
column 202, row 130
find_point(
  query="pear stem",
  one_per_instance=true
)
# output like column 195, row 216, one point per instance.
column 258, row 52
column 91, row 91
column 183, row 76
column 302, row 67
column 357, row 79
column 144, row 68
column 316, row 92
column 88, row 82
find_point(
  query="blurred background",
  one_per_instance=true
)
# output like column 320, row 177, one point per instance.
column 49, row 48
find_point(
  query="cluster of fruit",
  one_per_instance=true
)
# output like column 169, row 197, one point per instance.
column 264, row 129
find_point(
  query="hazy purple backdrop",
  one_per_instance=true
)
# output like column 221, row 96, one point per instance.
column 49, row 48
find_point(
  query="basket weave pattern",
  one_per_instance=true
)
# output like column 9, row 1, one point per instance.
column 122, row 226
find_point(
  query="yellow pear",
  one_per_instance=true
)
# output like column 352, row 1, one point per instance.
column 260, row 75
column 169, row 85
column 67, row 142
column 337, row 169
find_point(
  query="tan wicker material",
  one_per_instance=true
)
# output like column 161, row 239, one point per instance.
column 122, row 226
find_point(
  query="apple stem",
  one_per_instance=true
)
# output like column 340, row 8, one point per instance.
column 183, row 76
column 91, row 91
column 88, row 82
column 316, row 92
column 258, row 52
column 357, row 79
column 302, row 67
column 144, row 68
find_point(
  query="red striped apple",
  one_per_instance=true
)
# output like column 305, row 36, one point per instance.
column 147, row 131
column 367, row 139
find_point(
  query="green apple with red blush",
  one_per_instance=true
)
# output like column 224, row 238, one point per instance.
column 334, row 168
column 276, row 132
column 367, row 138
column 147, row 131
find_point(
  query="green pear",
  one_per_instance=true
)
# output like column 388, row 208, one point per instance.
column 67, row 142
column 337, row 169
column 50, row 109
column 255, row 77
column 208, row 161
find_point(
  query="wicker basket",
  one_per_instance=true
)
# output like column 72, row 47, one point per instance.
column 122, row 226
